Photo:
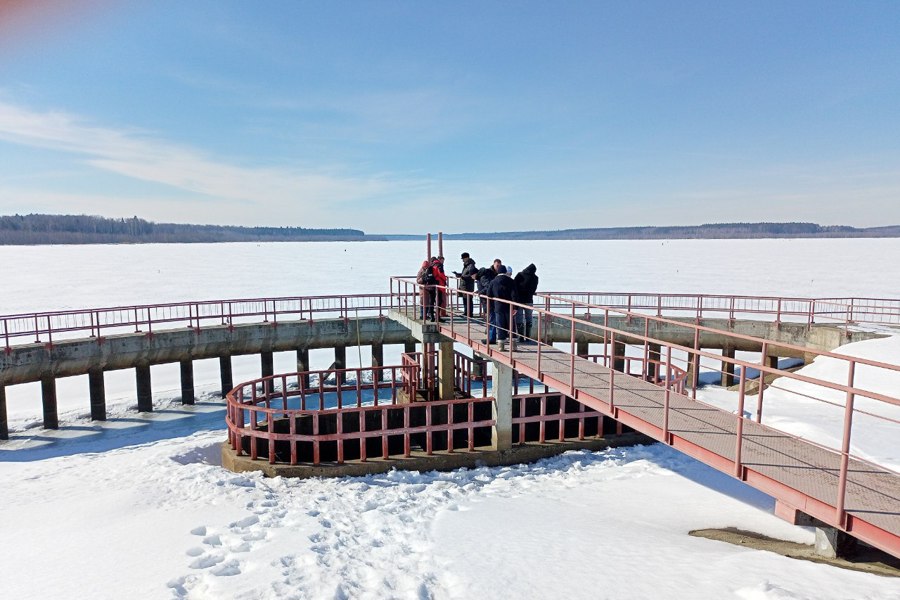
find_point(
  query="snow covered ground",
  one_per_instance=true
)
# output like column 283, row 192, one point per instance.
column 138, row 507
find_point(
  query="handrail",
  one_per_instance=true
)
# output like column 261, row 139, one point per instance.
column 151, row 318
column 95, row 322
column 581, row 324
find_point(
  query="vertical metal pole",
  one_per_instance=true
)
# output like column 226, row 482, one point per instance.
column 845, row 447
column 738, row 465
column 539, row 341
column 695, row 363
column 646, row 364
column 668, row 389
column 762, row 381
column 572, row 354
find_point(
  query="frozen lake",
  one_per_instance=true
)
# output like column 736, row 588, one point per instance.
column 143, row 493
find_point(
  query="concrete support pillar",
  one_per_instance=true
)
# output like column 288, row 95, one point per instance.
column 378, row 360
column 582, row 348
column 834, row 543
column 48, row 395
column 377, row 355
column 267, row 369
column 478, row 365
column 144, row 388
column 693, row 370
column 187, row 381
column 225, row 375
column 340, row 361
column 501, row 436
column 4, row 423
column 303, row 365
column 97, row 390
column 409, row 347
column 619, row 352
column 445, row 371
column 727, row 368
column 772, row 362
column 654, row 353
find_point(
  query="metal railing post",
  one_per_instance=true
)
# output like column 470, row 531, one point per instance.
column 845, row 447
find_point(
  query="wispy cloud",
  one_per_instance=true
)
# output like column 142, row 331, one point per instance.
column 141, row 155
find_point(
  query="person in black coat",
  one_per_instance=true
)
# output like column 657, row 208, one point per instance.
column 526, row 285
column 467, row 282
column 502, row 291
column 483, row 278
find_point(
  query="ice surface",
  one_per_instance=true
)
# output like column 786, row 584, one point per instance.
column 138, row 507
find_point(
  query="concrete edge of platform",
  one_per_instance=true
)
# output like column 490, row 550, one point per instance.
column 419, row 461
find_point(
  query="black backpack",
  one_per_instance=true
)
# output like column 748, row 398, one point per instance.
column 426, row 276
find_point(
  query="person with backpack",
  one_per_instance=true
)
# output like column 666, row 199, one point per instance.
column 502, row 291
column 526, row 285
column 426, row 279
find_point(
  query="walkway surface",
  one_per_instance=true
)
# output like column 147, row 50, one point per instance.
column 799, row 474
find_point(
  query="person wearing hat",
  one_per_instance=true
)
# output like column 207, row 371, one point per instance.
column 467, row 283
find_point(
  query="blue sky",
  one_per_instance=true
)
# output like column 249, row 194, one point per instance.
column 405, row 117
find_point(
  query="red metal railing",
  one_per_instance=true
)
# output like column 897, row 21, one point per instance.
column 147, row 318
column 560, row 312
column 256, row 410
column 846, row 311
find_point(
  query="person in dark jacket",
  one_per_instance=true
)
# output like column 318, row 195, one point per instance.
column 428, row 281
column 526, row 285
column 483, row 278
column 502, row 291
column 467, row 283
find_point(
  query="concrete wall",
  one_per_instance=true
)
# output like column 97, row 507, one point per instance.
column 817, row 337
column 32, row 362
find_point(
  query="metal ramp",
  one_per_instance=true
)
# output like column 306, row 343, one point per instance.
column 802, row 476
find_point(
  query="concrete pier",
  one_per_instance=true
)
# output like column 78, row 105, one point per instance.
column 340, row 361
column 97, row 391
column 378, row 358
column 501, row 436
column 377, row 355
column 654, row 354
column 303, row 365
column 267, row 369
column 693, row 369
column 445, row 371
column 834, row 543
column 187, row 381
column 48, row 396
column 582, row 348
column 619, row 352
column 4, row 423
column 144, row 388
column 728, row 378
column 225, row 374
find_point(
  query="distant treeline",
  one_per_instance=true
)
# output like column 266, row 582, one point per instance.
column 83, row 229
column 707, row 231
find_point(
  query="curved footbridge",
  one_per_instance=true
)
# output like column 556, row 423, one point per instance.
column 596, row 363
column 812, row 484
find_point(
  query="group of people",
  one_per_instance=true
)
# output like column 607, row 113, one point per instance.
column 496, row 287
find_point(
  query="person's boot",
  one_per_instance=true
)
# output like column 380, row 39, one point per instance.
column 520, row 332
column 512, row 343
column 502, row 345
